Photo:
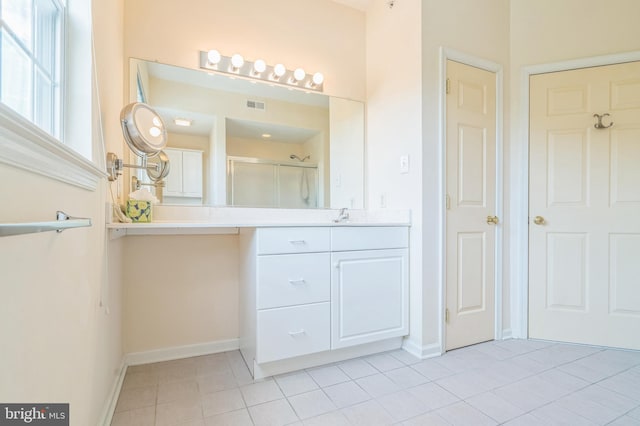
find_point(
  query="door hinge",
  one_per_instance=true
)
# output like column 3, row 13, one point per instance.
column 447, row 201
column 448, row 85
column 446, row 315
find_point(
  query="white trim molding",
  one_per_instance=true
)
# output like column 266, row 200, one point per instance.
column 519, row 276
column 179, row 352
column 110, row 405
column 422, row 352
column 506, row 334
column 25, row 146
column 454, row 55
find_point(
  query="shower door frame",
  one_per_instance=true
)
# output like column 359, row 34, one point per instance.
column 276, row 163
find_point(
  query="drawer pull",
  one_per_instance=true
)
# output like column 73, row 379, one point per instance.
column 297, row 282
column 297, row 242
column 296, row 333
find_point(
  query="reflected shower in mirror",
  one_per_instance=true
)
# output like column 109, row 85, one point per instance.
column 240, row 143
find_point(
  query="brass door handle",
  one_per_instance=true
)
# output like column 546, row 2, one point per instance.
column 539, row 220
column 492, row 220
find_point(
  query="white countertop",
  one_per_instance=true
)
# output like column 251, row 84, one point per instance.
column 200, row 220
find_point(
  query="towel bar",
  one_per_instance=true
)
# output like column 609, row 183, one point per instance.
column 62, row 222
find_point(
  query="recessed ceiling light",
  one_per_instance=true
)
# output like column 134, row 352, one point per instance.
column 184, row 122
column 266, row 135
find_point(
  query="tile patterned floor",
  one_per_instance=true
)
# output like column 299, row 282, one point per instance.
column 512, row 382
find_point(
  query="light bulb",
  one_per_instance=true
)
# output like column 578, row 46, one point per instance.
column 318, row 78
column 279, row 70
column 155, row 132
column 213, row 57
column 156, row 121
column 299, row 74
column 237, row 60
column 259, row 66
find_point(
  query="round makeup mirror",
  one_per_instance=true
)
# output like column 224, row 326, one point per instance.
column 143, row 129
column 146, row 135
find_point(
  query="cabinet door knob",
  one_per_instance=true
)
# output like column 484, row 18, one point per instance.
column 297, row 282
column 297, row 242
column 539, row 220
column 296, row 333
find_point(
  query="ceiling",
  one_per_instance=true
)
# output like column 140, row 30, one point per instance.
column 355, row 4
column 246, row 129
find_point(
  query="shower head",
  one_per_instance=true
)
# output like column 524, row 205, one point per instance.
column 295, row 157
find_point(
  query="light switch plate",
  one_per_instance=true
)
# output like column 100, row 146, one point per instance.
column 404, row 164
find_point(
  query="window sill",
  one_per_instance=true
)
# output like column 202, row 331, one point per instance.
column 25, row 146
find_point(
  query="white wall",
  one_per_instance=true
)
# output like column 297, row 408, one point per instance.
column 269, row 150
column 346, row 156
column 58, row 343
column 394, row 128
column 317, row 35
column 174, row 300
column 108, row 29
column 403, row 80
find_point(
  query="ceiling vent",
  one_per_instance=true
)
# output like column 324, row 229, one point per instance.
column 258, row 105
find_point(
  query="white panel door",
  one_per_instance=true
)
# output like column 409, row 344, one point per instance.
column 584, row 225
column 369, row 296
column 471, row 201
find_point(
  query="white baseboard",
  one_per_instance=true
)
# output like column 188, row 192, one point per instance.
column 261, row 371
column 507, row 334
column 112, row 400
column 178, row 352
column 422, row 352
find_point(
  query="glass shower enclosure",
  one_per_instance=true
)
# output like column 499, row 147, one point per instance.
column 257, row 182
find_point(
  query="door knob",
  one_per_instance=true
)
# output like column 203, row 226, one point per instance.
column 492, row 220
column 539, row 220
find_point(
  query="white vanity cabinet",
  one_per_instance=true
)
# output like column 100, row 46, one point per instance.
column 285, row 293
column 185, row 177
column 369, row 285
column 308, row 292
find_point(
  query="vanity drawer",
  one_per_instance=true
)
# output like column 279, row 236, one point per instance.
column 345, row 238
column 288, row 332
column 293, row 240
column 293, row 279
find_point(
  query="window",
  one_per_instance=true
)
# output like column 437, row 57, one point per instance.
column 31, row 60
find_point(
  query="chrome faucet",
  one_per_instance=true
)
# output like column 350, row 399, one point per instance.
column 343, row 216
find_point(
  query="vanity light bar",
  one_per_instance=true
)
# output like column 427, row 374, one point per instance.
column 259, row 70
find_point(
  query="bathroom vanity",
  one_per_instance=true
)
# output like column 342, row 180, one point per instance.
column 319, row 291
column 309, row 291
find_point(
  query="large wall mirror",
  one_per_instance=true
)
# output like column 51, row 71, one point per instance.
column 237, row 142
